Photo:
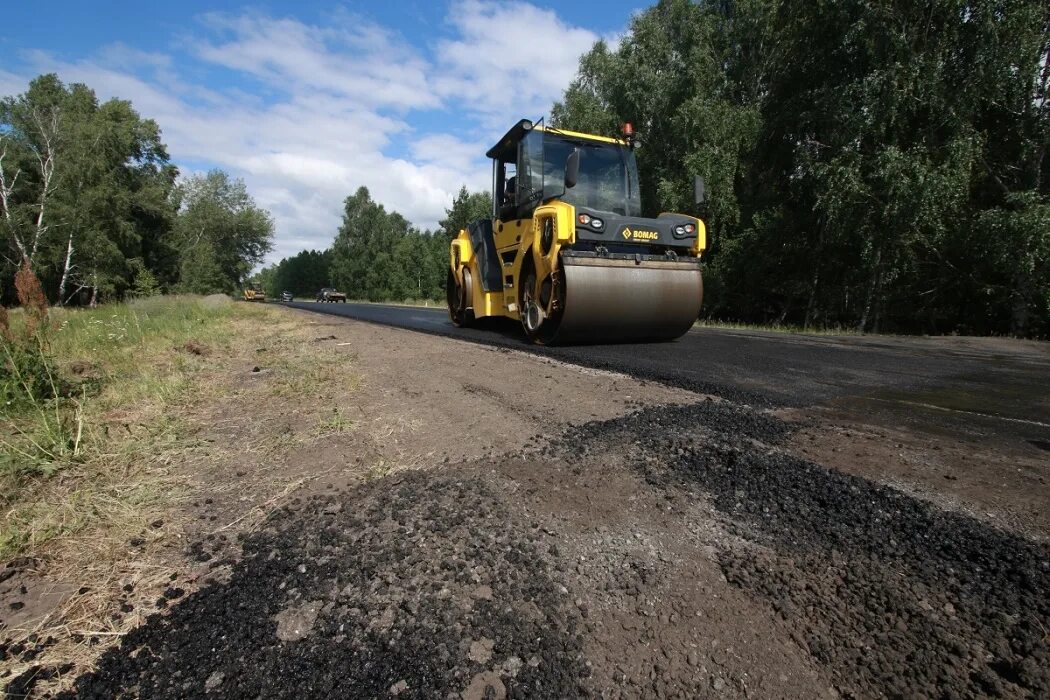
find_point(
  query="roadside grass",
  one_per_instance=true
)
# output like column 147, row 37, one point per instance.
column 126, row 371
column 166, row 393
column 777, row 328
column 425, row 303
column 136, row 374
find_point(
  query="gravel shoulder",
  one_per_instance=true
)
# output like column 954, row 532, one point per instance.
column 492, row 523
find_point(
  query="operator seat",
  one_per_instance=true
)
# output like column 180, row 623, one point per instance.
column 509, row 209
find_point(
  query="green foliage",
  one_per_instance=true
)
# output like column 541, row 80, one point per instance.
column 875, row 165
column 144, row 283
column 1018, row 255
column 221, row 233
column 26, row 374
column 302, row 274
column 40, row 427
column 467, row 207
column 90, row 200
column 88, row 189
column 378, row 256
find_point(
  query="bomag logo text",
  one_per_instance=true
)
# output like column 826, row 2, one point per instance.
column 640, row 235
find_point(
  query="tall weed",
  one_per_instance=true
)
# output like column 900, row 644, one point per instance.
column 40, row 429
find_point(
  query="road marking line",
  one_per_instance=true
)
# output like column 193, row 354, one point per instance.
column 959, row 410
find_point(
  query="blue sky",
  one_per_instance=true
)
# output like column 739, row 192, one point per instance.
column 308, row 101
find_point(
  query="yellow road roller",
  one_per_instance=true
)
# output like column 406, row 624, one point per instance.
column 254, row 292
column 567, row 252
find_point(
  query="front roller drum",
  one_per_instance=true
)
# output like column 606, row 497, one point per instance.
column 613, row 300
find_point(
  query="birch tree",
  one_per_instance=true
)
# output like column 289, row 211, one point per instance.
column 85, row 188
column 31, row 148
column 222, row 233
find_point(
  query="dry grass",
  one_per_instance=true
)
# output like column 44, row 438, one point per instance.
column 135, row 383
column 174, row 403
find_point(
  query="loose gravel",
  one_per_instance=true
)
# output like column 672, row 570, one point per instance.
column 414, row 586
column 426, row 584
column 897, row 597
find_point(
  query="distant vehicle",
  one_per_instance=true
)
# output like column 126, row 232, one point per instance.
column 329, row 294
column 254, row 292
column 287, row 296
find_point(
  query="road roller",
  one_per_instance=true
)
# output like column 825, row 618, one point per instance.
column 567, row 252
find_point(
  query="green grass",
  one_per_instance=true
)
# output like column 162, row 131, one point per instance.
column 124, row 371
column 114, row 357
column 332, row 424
column 118, row 343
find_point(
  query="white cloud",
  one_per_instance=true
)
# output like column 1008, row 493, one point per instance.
column 448, row 149
column 510, row 59
column 310, row 113
column 11, row 83
column 358, row 61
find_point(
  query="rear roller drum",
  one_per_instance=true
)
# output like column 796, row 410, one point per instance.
column 460, row 297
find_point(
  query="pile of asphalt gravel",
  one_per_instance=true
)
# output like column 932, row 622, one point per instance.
column 418, row 585
column 716, row 429
column 895, row 596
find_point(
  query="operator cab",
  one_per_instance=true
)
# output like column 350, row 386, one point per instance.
column 529, row 167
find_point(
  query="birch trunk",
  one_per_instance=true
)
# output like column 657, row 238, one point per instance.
column 873, row 289
column 7, row 190
column 94, row 291
column 46, row 157
column 65, row 271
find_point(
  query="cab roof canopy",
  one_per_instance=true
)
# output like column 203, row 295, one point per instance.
column 507, row 148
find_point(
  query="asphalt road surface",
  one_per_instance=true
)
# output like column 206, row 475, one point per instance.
column 994, row 387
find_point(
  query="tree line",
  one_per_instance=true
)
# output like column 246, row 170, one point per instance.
column 877, row 165
column 377, row 255
column 91, row 203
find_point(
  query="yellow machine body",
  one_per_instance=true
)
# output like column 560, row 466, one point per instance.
column 254, row 294
column 562, row 262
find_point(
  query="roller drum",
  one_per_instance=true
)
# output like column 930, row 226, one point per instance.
column 627, row 301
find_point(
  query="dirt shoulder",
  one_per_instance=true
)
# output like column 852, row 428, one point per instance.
column 461, row 520
column 965, row 467
column 296, row 405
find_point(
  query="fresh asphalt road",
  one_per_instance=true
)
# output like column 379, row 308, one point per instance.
column 1001, row 386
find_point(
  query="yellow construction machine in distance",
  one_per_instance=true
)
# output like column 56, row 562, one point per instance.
column 567, row 252
column 254, row 292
